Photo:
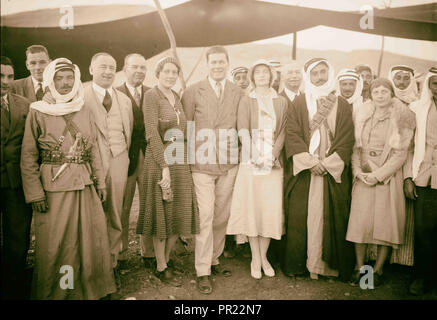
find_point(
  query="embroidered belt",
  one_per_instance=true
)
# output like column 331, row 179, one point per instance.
column 58, row 157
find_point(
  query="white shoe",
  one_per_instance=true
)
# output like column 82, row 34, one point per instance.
column 268, row 270
column 255, row 272
column 314, row 276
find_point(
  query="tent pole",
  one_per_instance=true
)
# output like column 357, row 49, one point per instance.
column 382, row 43
column 381, row 55
column 172, row 39
column 196, row 65
column 293, row 55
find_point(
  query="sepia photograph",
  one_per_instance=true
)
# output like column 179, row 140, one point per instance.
column 218, row 155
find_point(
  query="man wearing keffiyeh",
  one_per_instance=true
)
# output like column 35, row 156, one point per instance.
column 420, row 185
column 240, row 78
column 350, row 86
column 318, row 145
column 366, row 74
column 60, row 162
column 402, row 78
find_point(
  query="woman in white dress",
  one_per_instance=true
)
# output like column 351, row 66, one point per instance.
column 256, row 209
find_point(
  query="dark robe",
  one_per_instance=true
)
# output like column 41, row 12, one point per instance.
column 337, row 252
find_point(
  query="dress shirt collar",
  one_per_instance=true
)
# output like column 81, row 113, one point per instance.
column 100, row 90
column 290, row 94
column 212, row 82
column 35, row 83
column 132, row 89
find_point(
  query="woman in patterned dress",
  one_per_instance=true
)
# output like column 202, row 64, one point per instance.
column 165, row 168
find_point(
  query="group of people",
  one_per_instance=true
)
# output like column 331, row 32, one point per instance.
column 318, row 180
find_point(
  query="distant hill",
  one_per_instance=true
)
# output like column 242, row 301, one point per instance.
column 246, row 54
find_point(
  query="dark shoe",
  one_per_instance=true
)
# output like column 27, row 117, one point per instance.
column 218, row 270
column 378, row 280
column 166, row 276
column 243, row 250
column 229, row 253
column 298, row 276
column 117, row 278
column 417, row 287
column 176, row 270
column 122, row 265
column 204, row 284
column 355, row 279
column 149, row 263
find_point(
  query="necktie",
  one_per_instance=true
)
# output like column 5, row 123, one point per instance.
column 5, row 109
column 5, row 104
column 107, row 101
column 39, row 93
column 137, row 97
column 219, row 90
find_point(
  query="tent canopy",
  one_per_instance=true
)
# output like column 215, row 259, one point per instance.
column 123, row 29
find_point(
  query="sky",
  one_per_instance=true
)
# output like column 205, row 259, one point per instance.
column 317, row 38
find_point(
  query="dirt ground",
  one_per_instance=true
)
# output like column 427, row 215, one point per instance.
column 139, row 283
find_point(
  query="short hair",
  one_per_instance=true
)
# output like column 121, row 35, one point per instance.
column 363, row 67
column 289, row 66
column 131, row 55
column 216, row 49
column 382, row 82
column 36, row 48
column 98, row 54
column 6, row 62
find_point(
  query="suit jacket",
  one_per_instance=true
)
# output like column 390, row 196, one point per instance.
column 24, row 87
column 92, row 101
column 138, row 131
column 201, row 105
column 282, row 93
column 11, row 138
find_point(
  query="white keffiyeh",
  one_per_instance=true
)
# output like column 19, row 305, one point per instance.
column 356, row 99
column 421, row 108
column 65, row 103
column 408, row 94
column 313, row 93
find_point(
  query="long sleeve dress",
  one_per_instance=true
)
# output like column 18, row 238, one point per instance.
column 73, row 232
column 166, row 147
column 256, row 208
column 378, row 212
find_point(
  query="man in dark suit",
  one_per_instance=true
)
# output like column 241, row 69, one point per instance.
column 37, row 59
column 16, row 215
column 135, row 70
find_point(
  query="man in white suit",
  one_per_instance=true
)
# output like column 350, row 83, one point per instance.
column 113, row 116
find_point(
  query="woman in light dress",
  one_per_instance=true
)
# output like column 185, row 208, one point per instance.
column 256, row 209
